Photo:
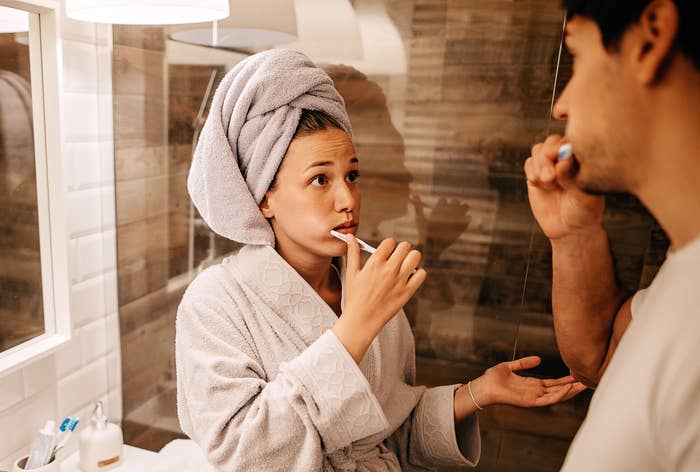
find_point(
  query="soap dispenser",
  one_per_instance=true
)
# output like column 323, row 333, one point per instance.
column 100, row 444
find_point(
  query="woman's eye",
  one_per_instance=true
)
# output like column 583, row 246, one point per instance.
column 353, row 175
column 319, row 180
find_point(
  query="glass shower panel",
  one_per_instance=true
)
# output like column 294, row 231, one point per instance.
column 446, row 98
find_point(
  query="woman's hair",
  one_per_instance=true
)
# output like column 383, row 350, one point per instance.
column 310, row 121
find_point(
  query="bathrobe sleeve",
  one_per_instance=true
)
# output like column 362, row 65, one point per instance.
column 429, row 437
column 319, row 402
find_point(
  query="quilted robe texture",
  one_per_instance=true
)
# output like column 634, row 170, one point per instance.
column 264, row 384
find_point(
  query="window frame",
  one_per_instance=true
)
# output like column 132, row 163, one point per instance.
column 45, row 59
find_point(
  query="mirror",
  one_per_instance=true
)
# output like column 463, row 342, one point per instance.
column 34, row 310
column 21, row 305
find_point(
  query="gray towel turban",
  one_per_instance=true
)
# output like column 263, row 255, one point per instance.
column 254, row 114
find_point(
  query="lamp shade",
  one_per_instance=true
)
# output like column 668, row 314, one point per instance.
column 13, row 21
column 147, row 12
column 250, row 23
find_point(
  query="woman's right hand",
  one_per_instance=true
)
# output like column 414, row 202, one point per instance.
column 559, row 205
column 375, row 293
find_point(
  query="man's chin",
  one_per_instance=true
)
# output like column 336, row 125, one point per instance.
column 597, row 186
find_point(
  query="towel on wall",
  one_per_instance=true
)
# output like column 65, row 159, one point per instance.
column 254, row 114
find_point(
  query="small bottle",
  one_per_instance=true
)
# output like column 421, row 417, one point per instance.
column 100, row 444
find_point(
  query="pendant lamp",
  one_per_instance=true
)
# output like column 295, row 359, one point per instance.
column 250, row 23
column 147, row 12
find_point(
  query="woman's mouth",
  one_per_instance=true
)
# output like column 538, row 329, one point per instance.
column 345, row 228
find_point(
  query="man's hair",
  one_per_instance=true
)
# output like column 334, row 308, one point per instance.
column 615, row 16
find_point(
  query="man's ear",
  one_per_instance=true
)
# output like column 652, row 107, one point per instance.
column 265, row 208
column 658, row 31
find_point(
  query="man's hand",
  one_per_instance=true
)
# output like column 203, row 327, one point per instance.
column 559, row 206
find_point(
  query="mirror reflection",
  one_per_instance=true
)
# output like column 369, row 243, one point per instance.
column 21, row 307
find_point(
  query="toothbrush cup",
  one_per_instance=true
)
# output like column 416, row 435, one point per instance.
column 19, row 464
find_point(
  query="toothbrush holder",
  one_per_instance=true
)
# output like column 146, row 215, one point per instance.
column 19, row 464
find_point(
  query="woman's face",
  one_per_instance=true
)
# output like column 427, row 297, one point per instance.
column 316, row 191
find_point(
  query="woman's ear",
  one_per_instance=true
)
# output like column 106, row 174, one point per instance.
column 659, row 28
column 265, row 207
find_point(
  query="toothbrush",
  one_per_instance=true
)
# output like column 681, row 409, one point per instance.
column 67, row 426
column 565, row 152
column 363, row 245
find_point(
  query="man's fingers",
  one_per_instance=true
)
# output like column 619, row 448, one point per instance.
column 566, row 172
column 560, row 381
column 576, row 388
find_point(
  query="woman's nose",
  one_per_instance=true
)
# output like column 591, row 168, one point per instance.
column 345, row 198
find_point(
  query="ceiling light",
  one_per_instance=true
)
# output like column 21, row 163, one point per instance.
column 147, row 12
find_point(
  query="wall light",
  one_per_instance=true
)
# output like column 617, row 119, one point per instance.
column 251, row 23
column 147, row 12
column 13, row 21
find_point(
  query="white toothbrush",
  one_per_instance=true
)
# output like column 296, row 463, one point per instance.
column 565, row 152
column 363, row 245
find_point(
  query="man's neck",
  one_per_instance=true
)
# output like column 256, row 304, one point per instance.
column 671, row 186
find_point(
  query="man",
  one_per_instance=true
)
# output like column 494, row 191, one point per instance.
column 632, row 109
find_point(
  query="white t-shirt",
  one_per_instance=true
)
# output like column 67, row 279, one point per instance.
column 645, row 413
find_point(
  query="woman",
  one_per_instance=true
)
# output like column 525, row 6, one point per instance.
column 282, row 363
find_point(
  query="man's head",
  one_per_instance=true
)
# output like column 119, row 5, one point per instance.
column 633, row 61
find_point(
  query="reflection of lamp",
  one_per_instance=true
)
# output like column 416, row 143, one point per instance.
column 384, row 51
column 251, row 23
column 151, row 12
column 13, row 21
column 328, row 31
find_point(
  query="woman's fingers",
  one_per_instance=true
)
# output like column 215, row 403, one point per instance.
column 399, row 255
column 384, row 250
column 353, row 257
column 524, row 363
column 416, row 280
column 553, row 396
column 410, row 263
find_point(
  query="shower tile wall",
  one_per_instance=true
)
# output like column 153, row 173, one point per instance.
column 442, row 149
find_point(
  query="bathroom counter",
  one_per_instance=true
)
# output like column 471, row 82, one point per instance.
column 135, row 460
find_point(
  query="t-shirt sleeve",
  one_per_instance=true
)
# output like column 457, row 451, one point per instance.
column 638, row 302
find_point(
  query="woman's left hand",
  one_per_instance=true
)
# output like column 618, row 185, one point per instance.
column 501, row 385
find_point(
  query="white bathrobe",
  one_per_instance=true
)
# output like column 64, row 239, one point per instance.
column 264, row 384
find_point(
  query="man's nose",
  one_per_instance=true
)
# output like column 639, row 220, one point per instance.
column 560, row 111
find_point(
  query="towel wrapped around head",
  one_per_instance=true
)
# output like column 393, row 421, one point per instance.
column 254, row 114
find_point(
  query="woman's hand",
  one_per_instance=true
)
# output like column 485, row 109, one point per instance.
column 375, row 293
column 501, row 385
